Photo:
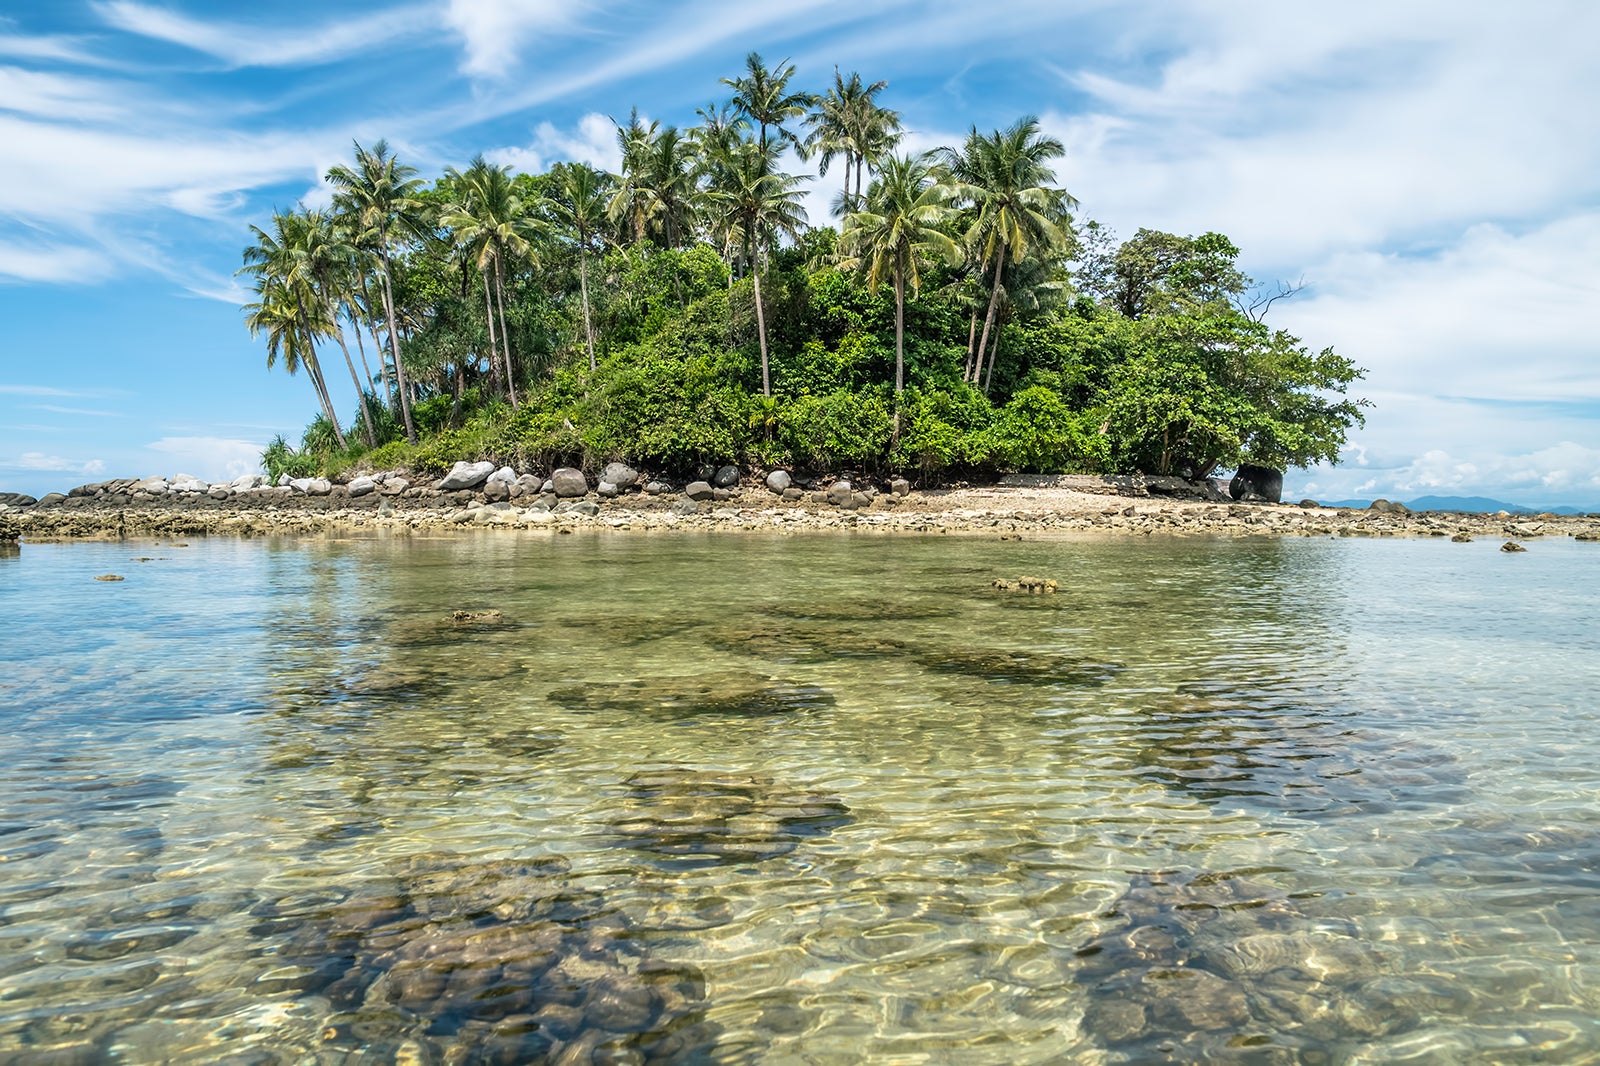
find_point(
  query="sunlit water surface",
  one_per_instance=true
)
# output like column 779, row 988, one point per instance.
column 799, row 799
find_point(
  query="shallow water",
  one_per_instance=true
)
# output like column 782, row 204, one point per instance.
column 799, row 799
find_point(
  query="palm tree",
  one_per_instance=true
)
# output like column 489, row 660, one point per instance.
column 897, row 229
column 288, row 307
column 756, row 200
column 848, row 122
column 1003, row 178
column 763, row 95
column 381, row 192
column 579, row 207
column 491, row 222
column 631, row 206
column 329, row 261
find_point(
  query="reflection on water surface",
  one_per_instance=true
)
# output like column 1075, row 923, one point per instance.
column 698, row 799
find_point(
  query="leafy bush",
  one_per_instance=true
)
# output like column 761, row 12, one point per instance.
column 279, row 459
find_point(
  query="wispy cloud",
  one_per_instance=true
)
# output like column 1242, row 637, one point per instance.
column 493, row 32
column 42, row 462
column 266, row 45
column 90, row 412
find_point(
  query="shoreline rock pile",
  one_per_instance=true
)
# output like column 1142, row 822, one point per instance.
column 481, row 494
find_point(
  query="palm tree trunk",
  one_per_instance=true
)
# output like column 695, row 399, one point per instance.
column 844, row 203
column 899, row 334
column 361, row 394
column 321, row 386
column 988, row 319
column 972, row 338
column 761, row 331
column 361, row 350
column 394, row 343
column 994, row 355
column 372, row 327
column 505, row 341
column 494, row 345
column 583, row 283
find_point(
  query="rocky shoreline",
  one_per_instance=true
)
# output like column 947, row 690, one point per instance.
column 479, row 497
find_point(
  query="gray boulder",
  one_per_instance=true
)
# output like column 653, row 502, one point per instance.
column 607, row 490
column 394, row 486
column 621, row 475
column 362, row 486
column 569, row 483
column 526, row 485
column 727, row 477
column 687, row 506
column 50, row 499
column 840, row 492
column 657, row 488
column 497, row 490
column 583, row 507
column 220, row 491
column 778, row 480
column 188, row 483
column 900, row 487
column 465, row 475
column 248, row 481
column 699, row 490
column 157, row 486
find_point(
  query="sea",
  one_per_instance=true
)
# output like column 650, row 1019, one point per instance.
column 816, row 798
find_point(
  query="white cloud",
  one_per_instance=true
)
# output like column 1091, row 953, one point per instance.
column 211, row 458
column 493, row 31
column 55, row 463
column 592, row 141
column 32, row 92
column 241, row 45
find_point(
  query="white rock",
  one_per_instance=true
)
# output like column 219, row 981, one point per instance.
column 465, row 475
column 189, row 483
column 362, row 486
column 155, row 486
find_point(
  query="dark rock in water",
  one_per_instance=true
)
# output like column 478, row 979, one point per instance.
column 1045, row 586
column 860, row 610
column 490, row 617
column 1020, row 667
column 1508, row 546
column 119, row 577
column 803, row 642
column 1462, row 537
column 10, row 549
column 502, row 961
column 732, row 693
column 689, row 818
column 1193, row 961
column 10, row 529
column 629, row 629
column 1251, row 482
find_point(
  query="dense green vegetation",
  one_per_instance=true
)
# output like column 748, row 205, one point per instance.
column 959, row 322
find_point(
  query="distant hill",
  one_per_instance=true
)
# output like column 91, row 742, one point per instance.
column 1468, row 504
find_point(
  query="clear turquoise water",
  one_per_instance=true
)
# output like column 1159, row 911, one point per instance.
column 799, row 799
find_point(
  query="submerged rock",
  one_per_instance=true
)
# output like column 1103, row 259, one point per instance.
column 450, row 960
column 731, row 693
column 687, row 818
column 1020, row 667
column 802, row 642
column 1035, row 585
column 1512, row 546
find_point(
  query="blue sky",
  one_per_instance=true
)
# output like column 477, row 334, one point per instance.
column 1431, row 170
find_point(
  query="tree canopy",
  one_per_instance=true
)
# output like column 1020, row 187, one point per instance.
column 961, row 320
